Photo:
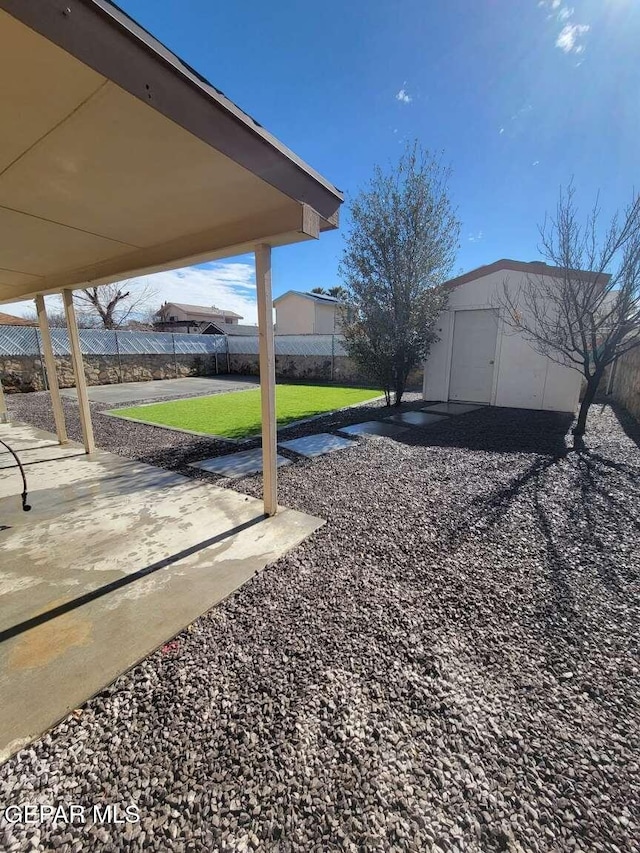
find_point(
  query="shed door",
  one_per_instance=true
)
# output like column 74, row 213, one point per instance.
column 474, row 350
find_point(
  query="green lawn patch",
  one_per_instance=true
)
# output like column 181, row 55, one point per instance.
column 237, row 414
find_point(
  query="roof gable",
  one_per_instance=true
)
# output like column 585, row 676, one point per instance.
column 319, row 298
column 210, row 311
column 11, row 320
column 531, row 267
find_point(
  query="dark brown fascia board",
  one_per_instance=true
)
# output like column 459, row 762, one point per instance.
column 103, row 37
column 534, row 268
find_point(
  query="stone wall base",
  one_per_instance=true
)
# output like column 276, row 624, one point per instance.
column 26, row 373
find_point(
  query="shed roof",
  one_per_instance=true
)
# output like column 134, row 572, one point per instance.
column 316, row 297
column 118, row 159
column 530, row 267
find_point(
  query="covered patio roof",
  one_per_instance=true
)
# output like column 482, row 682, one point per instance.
column 117, row 159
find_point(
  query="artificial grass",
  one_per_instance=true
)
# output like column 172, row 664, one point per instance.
column 238, row 414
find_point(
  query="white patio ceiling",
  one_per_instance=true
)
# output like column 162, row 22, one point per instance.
column 117, row 159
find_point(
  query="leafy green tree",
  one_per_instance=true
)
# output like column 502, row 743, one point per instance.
column 400, row 250
column 337, row 292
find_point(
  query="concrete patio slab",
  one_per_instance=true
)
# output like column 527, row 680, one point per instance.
column 374, row 428
column 421, row 419
column 237, row 464
column 190, row 386
column 316, row 445
column 114, row 559
column 451, row 408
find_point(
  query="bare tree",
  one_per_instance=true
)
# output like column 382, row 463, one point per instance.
column 585, row 321
column 114, row 305
column 399, row 251
column 55, row 317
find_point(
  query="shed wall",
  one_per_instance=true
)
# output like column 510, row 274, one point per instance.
column 522, row 377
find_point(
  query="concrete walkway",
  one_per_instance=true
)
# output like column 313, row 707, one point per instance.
column 114, row 558
column 190, row 386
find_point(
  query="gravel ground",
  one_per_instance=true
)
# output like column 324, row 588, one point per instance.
column 450, row 664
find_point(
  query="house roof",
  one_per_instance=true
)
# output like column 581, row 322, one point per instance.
column 211, row 311
column 316, row 297
column 120, row 160
column 234, row 330
column 530, row 267
column 10, row 320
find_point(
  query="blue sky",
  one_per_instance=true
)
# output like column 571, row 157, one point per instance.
column 519, row 95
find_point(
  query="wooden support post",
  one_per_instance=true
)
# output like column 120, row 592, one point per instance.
column 267, row 380
column 4, row 414
column 50, row 364
column 78, row 370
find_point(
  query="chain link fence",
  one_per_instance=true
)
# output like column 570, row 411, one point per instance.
column 26, row 340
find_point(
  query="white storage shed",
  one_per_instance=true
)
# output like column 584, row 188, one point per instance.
column 481, row 359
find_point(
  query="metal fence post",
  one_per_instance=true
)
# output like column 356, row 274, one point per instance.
column 175, row 357
column 45, row 384
column 115, row 334
column 333, row 355
column 228, row 359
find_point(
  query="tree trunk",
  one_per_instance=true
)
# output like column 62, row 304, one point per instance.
column 399, row 382
column 587, row 400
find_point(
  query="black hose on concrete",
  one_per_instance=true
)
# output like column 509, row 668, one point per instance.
column 25, row 506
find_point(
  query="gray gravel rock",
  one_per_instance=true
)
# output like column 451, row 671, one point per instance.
column 451, row 663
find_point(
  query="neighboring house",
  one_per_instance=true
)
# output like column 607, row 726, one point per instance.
column 481, row 359
column 234, row 329
column 11, row 320
column 300, row 313
column 192, row 319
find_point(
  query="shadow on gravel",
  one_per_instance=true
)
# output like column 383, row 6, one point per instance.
column 499, row 431
column 177, row 457
column 583, row 504
column 629, row 425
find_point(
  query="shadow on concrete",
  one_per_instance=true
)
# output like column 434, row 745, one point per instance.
column 25, row 462
column 124, row 581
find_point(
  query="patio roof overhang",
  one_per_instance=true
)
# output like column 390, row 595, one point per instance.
column 117, row 159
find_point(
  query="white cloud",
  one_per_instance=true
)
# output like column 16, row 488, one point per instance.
column 550, row 4
column 501, row 130
column 569, row 38
column 403, row 96
column 536, row 163
column 19, row 309
column 226, row 284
